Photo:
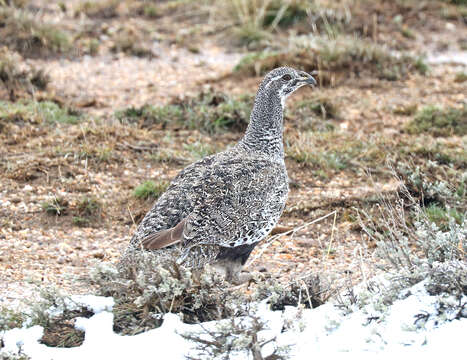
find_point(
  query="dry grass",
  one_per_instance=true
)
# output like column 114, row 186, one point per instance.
column 20, row 82
column 257, row 24
column 29, row 35
column 335, row 58
column 330, row 152
column 106, row 9
column 132, row 42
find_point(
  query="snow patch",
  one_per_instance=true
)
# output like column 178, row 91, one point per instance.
column 410, row 326
column 96, row 304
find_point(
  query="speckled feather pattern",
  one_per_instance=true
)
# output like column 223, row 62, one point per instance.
column 230, row 199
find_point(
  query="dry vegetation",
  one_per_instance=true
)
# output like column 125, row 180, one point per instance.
column 80, row 165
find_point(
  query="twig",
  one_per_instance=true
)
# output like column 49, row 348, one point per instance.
column 308, row 294
column 8, row 155
column 131, row 215
column 330, row 242
column 172, row 304
column 365, row 280
column 136, row 147
column 83, row 132
column 293, row 231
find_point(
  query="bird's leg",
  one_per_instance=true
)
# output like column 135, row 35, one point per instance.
column 230, row 269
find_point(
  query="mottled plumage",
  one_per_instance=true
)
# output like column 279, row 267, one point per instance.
column 217, row 209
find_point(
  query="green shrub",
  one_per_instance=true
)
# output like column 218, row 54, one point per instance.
column 286, row 13
column 457, row 2
column 148, row 116
column 56, row 206
column 89, row 206
column 80, row 221
column 150, row 190
column 460, row 77
column 442, row 216
column 150, row 11
column 209, row 112
column 439, row 122
column 44, row 112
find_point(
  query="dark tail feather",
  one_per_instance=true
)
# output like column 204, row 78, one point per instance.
column 238, row 253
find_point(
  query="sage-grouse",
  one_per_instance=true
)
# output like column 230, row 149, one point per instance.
column 217, row 209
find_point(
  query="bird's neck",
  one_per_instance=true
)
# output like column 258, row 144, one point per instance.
column 265, row 130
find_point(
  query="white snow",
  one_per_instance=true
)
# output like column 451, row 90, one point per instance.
column 374, row 330
column 454, row 57
column 94, row 303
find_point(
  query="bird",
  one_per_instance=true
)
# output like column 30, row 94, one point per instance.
column 216, row 210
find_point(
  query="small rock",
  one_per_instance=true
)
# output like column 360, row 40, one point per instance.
column 98, row 254
column 306, row 242
column 450, row 26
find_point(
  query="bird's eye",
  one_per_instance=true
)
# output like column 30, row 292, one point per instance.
column 286, row 77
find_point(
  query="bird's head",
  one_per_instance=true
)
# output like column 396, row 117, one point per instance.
column 285, row 80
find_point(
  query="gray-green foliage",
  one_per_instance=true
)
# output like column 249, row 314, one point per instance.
column 4, row 356
column 396, row 232
column 149, row 286
column 309, row 291
column 423, row 184
column 446, row 282
column 52, row 302
column 54, row 311
column 416, row 249
column 234, row 337
column 10, row 319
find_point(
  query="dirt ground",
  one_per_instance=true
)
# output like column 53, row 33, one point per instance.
column 104, row 159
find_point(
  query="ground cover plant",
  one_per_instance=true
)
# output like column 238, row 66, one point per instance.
column 440, row 122
column 209, row 112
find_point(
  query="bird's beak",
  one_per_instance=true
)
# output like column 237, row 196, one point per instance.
column 308, row 79
column 311, row 81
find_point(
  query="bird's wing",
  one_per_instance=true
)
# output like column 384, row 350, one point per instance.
column 240, row 202
column 164, row 238
column 172, row 207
